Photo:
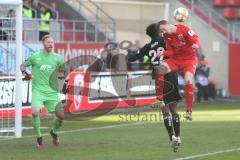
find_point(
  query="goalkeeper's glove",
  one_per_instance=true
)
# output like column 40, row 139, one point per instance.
column 26, row 75
column 65, row 87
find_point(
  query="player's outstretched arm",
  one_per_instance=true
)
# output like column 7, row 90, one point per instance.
column 135, row 55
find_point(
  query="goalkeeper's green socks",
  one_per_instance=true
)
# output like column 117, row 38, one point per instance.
column 56, row 125
column 36, row 126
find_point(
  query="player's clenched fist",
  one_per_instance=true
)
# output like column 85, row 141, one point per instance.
column 195, row 46
column 26, row 75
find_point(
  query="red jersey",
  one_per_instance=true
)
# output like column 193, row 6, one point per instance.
column 179, row 44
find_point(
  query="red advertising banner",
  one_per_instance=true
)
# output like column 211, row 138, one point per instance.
column 88, row 92
column 234, row 74
column 83, row 85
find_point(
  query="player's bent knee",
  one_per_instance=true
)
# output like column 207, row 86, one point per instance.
column 162, row 68
column 166, row 115
column 164, row 109
column 166, row 67
column 35, row 112
column 173, row 107
column 189, row 79
column 60, row 114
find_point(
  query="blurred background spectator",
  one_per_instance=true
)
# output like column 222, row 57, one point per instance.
column 8, row 26
column 53, row 10
column 27, row 10
column 36, row 6
column 109, row 56
column 44, row 24
column 202, row 81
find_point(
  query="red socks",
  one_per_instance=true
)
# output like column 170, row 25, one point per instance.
column 189, row 96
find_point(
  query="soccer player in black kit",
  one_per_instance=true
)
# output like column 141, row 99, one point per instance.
column 170, row 95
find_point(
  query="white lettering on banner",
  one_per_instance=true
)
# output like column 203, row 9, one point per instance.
column 10, row 91
column 7, row 92
column 79, row 83
column 95, row 85
column 72, row 53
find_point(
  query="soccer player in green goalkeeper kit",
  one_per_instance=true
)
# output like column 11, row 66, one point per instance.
column 45, row 68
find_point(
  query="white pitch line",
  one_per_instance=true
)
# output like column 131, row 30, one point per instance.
column 87, row 129
column 208, row 154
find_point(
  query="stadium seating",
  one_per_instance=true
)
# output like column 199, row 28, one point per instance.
column 230, row 8
column 229, row 13
column 234, row 2
column 220, row 3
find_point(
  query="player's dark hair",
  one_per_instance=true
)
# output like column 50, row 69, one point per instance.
column 162, row 22
column 151, row 31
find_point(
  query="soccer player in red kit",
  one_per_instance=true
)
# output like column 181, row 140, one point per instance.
column 182, row 44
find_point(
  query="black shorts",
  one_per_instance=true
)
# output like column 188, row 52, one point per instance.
column 170, row 91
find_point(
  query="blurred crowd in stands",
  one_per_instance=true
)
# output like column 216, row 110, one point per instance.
column 41, row 11
column 36, row 9
column 206, row 88
column 31, row 9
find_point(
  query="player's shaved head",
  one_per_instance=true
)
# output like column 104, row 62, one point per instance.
column 162, row 22
column 165, row 27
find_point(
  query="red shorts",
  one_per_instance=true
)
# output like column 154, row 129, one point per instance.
column 184, row 66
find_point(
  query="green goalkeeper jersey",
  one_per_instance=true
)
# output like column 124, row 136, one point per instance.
column 45, row 69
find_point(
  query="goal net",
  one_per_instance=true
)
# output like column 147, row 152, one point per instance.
column 10, row 75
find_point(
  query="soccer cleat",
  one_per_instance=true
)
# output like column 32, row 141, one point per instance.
column 158, row 104
column 55, row 138
column 175, row 143
column 188, row 116
column 40, row 144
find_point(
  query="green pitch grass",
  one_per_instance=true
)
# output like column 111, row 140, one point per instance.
column 136, row 136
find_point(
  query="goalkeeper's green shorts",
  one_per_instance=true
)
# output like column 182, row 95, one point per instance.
column 50, row 100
